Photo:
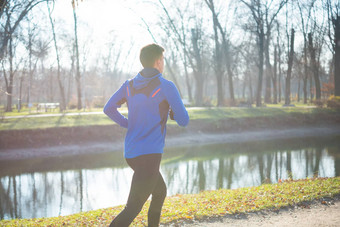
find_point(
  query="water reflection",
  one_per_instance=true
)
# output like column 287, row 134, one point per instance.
column 61, row 186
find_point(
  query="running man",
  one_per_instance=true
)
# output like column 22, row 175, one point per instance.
column 149, row 98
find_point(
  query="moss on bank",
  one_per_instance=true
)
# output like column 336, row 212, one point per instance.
column 205, row 204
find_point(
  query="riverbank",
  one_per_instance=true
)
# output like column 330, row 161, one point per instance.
column 202, row 129
column 214, row 206
column 182, row 139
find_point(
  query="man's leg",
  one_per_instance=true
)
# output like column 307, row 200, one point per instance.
column 144, row 180
column 137, row 197
column 158, row 197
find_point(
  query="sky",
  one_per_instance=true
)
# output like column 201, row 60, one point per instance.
column 115, row 21
column 103, row 21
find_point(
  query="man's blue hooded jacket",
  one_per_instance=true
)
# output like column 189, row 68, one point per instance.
column 149, row 97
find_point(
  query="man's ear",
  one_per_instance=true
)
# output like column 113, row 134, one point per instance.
column 158, row 63
column 155, row 65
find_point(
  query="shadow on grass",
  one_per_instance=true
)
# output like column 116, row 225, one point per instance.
column 14, row 123
column 58, row 122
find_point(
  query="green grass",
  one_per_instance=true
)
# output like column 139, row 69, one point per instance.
column 26, row 112
column 212, row 114
column 50, row 122
column 205, row 204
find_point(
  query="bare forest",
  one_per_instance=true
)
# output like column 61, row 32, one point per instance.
column 218, row 53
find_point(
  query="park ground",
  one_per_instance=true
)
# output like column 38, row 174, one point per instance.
column 65, row 134
column 68, row 135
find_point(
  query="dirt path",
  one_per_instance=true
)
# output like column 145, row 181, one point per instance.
column 319, row 213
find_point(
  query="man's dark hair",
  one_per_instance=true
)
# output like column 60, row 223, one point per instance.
column 149, row 54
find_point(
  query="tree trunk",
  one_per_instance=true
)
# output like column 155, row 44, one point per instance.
column 280, row 74
column 290, row 66
column 275, row 76
column 51, row 90
column 311, row 89
column 20, row 93
column 30, row 74
column 220, row 101
column 251, row 94
column 298, row 91
column 228, row 60
column 314, row 66
column 244, row 85
column 226, row 49
column 259, row 83
column 197, row 73
column 187, row 80
column 230, row 81
column 71, row 77
column 305, row 76
column 172, row 74
column 78, row 82
column 218, row 55
column 336, row 25
column 198, row 89
column 9, row 86
column 267, row 96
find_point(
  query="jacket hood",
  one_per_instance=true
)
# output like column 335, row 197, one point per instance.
column 144, row 77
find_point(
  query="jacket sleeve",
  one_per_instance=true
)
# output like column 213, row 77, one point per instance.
column 180, row 113
column 116, row 100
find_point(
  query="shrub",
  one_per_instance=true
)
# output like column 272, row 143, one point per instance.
column 319, row 103
column 98, row 102
column 243, row 103
column 73, row 102
column 333, row 102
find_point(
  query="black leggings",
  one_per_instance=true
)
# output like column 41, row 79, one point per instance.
column 146, row 181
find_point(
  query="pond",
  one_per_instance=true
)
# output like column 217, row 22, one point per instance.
column 49, row 187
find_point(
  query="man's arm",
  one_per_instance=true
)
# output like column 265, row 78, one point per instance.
column 116, row 100
column 180, row 114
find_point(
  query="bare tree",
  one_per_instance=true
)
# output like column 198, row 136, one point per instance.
column 183, row 31
column 194, row 57
column 314, row 65
column 290, row 66
column 61, row 87
column 184, row 56
column 248, row 51
column 197, row 66
column 78, row 82
column 30, row 64
column 222, row 52
column 333, row 12
column 219, row 71
column 263, row 15
column 275, row 75
column 10, row 80
column 269, row 21
column 37, row 50
column 12, row 70
column 11, row 14
column 305, row 15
